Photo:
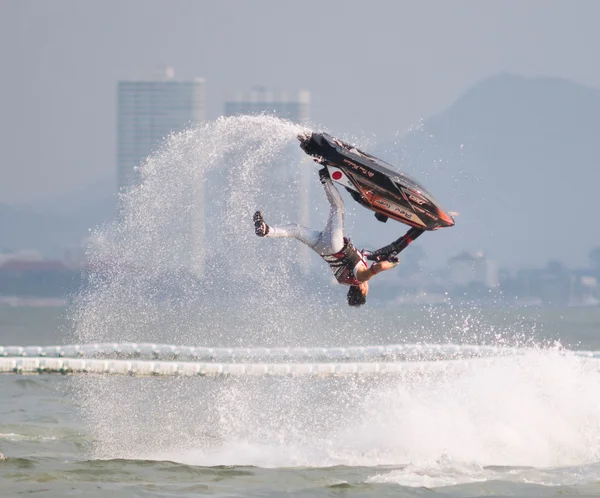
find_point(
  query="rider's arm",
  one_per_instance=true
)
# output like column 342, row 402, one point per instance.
column 392, row 250
column 363, row 273
column 383, row 252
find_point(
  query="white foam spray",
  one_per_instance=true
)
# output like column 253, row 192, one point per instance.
column 182, row 265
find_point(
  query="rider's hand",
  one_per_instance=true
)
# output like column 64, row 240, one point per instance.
column 388, row 265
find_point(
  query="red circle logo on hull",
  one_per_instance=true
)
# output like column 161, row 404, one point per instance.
column 336, row 175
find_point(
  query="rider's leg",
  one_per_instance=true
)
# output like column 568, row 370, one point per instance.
column 305, row 235
column 332, row 237
column 293, row 230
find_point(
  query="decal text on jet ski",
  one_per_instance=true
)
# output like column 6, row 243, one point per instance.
column 394, row 208
column 418, row 200
column 361, row 169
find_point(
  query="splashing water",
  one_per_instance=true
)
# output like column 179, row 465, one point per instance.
column 182, row 265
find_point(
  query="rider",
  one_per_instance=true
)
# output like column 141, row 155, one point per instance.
column 349, row 265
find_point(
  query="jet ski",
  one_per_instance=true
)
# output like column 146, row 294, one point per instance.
column 375, row 184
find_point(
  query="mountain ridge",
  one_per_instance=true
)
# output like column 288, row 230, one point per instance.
column 503, row 155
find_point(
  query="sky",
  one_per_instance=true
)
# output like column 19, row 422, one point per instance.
column 373, row 68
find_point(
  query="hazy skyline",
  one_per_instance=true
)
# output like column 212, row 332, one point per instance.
column 373, row 71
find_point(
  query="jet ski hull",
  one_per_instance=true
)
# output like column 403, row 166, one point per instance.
column 374, row 183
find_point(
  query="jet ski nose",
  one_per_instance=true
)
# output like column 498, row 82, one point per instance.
column 447, row 218
column 304, row 136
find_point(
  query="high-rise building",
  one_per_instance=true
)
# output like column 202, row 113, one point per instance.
column 148, row 111
column 293, row 107
column 285, row 105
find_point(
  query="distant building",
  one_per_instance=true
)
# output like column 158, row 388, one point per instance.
column 549, row 287
column 292, row 107
column 26, row 277
column 21, row 255
column 467, row 269
column 585, row 291
column 148, row 111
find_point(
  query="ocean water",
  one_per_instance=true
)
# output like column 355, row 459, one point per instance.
column 509, row 426
column 182, row 266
